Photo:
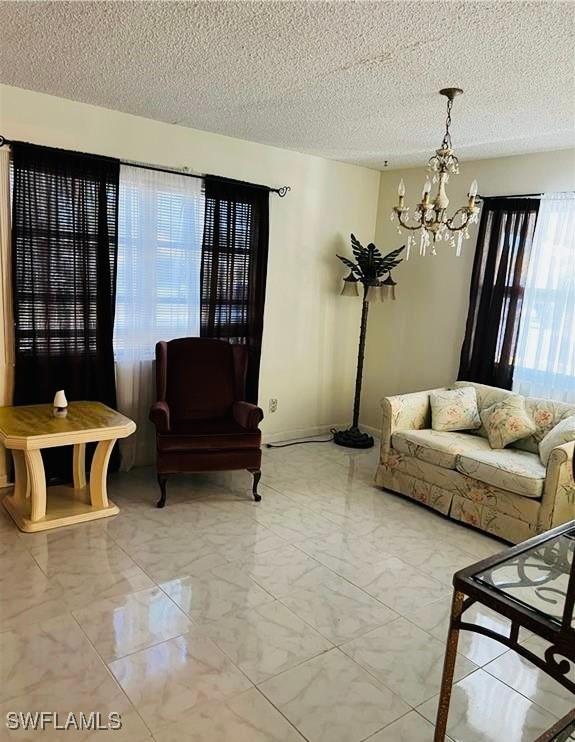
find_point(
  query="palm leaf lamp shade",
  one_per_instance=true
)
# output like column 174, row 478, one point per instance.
column 366, row 279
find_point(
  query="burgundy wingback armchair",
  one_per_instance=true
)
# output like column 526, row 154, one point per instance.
column 202, row 421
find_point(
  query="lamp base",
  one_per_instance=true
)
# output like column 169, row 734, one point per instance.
column 352, row 438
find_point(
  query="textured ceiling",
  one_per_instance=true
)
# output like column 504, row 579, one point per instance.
column 352, row 81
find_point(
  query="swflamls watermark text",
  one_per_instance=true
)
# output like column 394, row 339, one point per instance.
column 80, row 721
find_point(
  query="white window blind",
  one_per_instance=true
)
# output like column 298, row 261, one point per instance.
column 161, row 217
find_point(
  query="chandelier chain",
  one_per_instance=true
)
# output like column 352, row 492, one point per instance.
column 446, row 143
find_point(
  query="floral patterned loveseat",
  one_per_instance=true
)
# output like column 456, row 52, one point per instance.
column 506, row 492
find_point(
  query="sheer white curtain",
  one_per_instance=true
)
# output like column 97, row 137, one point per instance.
column 545, row 360
column 161, row 221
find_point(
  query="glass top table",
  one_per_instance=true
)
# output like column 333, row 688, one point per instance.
column 537, row 578
column 533, row 586
column 562, row 731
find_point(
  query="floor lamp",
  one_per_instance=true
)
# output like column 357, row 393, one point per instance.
column 368, row 272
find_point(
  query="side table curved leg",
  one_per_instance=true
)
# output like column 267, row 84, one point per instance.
column 21, row 485
column 79, row 466
column 99, row 472
column 37, row 480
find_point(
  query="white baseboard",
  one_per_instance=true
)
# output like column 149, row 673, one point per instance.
column 296, row 433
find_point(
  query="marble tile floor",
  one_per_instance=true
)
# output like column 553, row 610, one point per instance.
column 318, row 614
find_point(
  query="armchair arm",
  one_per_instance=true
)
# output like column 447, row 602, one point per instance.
column 404, row 412
column 160, row 416
column 247, row 415
column 558, row 502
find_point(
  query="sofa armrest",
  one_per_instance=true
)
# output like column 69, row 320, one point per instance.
column 404, row 412
column 247, row 415
column 160, row 416
column 558, row 502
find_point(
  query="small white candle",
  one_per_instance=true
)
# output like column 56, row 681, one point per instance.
column 426, row 191
column 472, row 194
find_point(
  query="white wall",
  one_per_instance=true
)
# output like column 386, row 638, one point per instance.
column 415, row 342
column 309, row 351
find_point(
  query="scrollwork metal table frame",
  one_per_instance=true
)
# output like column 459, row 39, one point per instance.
column 531, row 584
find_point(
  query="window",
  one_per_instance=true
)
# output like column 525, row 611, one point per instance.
column 64, row 273
column 160, row 229
column 234, row 267
column 545, row 360
column 504, row 245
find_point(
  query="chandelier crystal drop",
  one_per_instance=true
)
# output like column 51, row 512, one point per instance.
column 430, row 216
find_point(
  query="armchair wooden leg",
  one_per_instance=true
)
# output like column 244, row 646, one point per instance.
column 257, row 476
column 162, row 481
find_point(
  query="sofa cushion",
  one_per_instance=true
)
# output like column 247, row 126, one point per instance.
column 454, row 409
column 437, row 447
column 208, row 435
column 563, row 432
column 545, row 413
column 516, row 471
column 507, row 421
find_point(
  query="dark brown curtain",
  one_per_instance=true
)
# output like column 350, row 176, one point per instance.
column 497, row 285
column 234, row 267
column 64, row 250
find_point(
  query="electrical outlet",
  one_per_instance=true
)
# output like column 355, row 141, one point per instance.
column 273, row 406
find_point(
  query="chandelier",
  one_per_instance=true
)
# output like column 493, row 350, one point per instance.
column 431, row 214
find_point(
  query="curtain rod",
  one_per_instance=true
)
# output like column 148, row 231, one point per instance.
column 521, row 195
column 515, row 195
column 282, row 191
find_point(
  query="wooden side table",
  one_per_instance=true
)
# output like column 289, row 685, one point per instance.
column 28, row 429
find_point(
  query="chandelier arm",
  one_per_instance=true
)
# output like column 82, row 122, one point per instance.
column 464, row 224
column 434, row 218
column 405, row 225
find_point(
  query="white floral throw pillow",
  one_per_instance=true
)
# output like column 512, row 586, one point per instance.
column 507, row 421
column 563, row 432
column 455, row 409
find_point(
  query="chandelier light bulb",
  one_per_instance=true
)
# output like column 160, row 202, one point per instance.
column 401, row 189
column 473, row 188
